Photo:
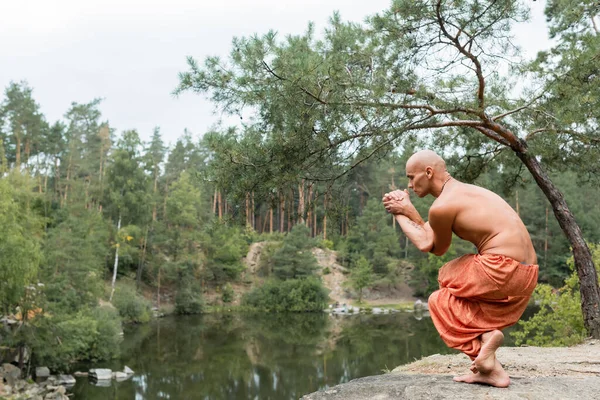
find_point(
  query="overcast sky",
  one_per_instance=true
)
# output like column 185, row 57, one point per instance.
column 129, row 52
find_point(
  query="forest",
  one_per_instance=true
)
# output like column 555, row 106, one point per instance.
column 92, row 214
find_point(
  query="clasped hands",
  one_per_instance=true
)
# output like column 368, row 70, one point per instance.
column 398, row 202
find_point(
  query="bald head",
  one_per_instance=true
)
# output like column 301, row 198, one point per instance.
column 426, row 158
column 426, row 173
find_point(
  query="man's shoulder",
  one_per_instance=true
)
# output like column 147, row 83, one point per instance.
column 443, row 207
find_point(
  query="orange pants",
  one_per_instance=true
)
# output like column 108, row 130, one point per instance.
column 479, row 293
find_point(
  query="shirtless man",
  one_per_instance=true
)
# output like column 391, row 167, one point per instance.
column 479, row 293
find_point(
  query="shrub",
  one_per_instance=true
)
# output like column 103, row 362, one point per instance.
column 293, row 295
column 326, row 244
column 58, row 340
column 326, row 271
column 227, row 295
column 559, row 322
column 188, row 301
column 132, row 306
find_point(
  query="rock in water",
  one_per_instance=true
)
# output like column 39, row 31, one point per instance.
column 128, row 370
column 66, row 380
column 101, row 374
column 120, row 376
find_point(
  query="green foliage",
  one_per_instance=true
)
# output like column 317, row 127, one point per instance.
column 294, row 259
column 19, row 239
column 74, row 259
column 227, row 294
column 292, row 295
column 188, row 300
column 326, row 244
column 224, row 248
column 132, row 306
column 326, row 271
column 59, row 340
column 265, row 263
column 362, row 276
column 559, row 322
column 374, row 239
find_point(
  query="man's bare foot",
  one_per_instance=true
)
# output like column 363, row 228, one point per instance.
column 486, row 360
column 496, row 377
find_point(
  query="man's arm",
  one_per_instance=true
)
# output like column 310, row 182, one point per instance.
column 434, row 236
column 441, row 220
column 421, row 235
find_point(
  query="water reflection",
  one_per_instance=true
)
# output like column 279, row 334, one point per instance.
column 263, row 356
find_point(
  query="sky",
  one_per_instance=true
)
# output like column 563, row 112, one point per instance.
column 129, row 52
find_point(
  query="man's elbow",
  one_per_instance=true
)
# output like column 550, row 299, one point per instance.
column 438, row 252
column 425, row 248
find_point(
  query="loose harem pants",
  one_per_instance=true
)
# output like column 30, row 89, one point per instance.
column 479, row 293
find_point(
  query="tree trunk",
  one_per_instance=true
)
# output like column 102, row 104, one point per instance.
column 214, row 207
column 546, row 240
column 271, row 219
column 247, row 209
column 290, row 211
column 253, row 214
column 114, row 278
column 18, row 150
column 158, row 289
column 138, row 276
column 325, row 216
column 301, row 202
column 281, row 212
column 588, row 278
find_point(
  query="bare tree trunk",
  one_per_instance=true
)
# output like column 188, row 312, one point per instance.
column 18, row 150
column 154, row 191
column 114, row 277
column 68, row 177
column 546, row 240
column 314, row 214
column 281, row 212
column 247, row 208
column 301, row 202
column 214, row 206
column 252, row 213
column 325, row 215
column 158, row 288
column 290, row 211
column 271, row 219
column 220, row 204
column 138, row 277
column 309, row 209
column 588, row 278
column 517, row 201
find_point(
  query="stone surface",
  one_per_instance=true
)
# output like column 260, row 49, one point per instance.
column 128, row 370
column 434, row 387
column 120, row 376
column 67, row 380
column 100, row 374
column 537, row 373
column 42, row 372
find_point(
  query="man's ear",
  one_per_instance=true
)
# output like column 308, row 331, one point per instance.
column 429, row 172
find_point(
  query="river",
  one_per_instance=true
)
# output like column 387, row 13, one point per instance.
column 260, row 356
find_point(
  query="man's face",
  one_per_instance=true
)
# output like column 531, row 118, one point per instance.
column 417, row 180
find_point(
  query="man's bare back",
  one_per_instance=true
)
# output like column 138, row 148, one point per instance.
column 486, row 220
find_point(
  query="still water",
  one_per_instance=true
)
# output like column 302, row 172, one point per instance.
column 260, row 356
